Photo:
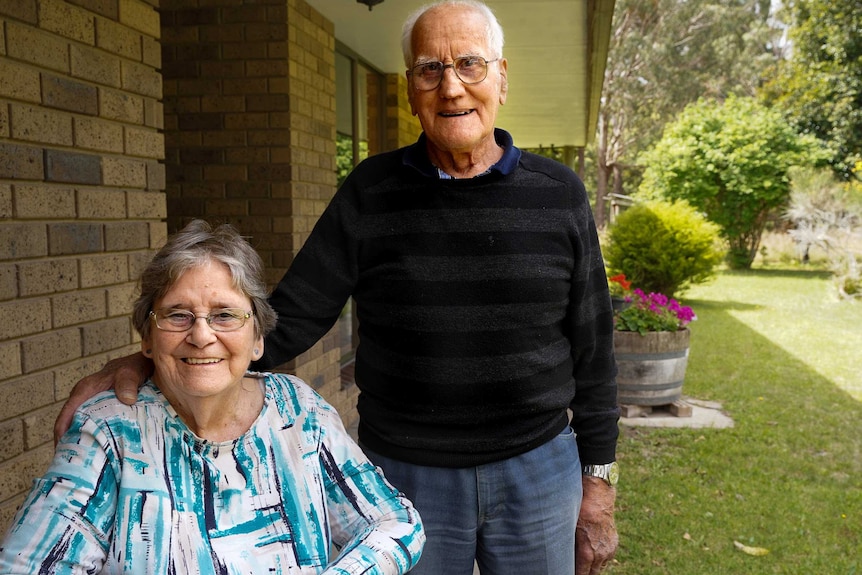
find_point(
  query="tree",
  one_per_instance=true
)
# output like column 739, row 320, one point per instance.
column 820, row 86
column 731, row 161
column 665, row 54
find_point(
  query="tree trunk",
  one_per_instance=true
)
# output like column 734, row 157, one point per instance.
column 603, row 175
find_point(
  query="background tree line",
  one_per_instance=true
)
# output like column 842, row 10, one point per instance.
column 716, row 102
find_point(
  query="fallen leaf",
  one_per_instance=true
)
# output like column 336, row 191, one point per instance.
column 750, row 550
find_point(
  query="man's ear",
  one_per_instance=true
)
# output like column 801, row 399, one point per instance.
column 504, row 80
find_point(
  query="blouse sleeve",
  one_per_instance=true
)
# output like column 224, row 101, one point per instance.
column 65, row 521
column 376, row 528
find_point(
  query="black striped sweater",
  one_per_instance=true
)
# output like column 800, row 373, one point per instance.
column 482, row 303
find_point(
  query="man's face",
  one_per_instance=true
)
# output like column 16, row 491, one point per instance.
column 456, row 117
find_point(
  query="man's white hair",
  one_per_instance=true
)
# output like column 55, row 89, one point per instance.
column 493, row 29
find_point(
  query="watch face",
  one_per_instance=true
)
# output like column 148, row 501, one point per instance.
column 614, row 473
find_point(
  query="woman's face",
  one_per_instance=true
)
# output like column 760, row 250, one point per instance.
column 201, row 362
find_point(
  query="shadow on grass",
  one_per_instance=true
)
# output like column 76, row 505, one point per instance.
column 782, row 272
column 785, row 478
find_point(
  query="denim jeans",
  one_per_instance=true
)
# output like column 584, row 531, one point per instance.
column 514, row 517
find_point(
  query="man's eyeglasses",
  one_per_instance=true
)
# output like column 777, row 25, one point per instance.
column 469, row 69
column 225, row 319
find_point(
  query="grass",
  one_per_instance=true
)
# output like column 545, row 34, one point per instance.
column 784, row 358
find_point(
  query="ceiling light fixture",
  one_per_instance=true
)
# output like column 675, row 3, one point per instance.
column 370, row 3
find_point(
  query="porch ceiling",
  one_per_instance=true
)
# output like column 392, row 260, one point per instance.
column 556, row 49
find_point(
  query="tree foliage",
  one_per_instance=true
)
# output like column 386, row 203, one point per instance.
column 820, row 86
column 665, row 54
column 731, row 161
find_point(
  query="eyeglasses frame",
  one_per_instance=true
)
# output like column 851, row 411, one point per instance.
column 454, row 69
column 245, row 315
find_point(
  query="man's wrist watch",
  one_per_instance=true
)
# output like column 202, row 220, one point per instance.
column 610, row 472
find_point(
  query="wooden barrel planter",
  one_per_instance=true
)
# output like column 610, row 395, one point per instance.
column 651, row 366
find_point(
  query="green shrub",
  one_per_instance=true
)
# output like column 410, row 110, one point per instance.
column 663, row 247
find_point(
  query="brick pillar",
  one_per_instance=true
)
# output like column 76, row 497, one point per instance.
column 402, row 127
column 250, row 135
column 81, row 204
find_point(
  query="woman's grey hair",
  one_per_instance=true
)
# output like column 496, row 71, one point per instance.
column 195, row 245
column 494, row 32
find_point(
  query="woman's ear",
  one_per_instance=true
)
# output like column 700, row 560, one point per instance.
column 146, row 349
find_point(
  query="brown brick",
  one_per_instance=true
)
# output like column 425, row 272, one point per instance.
column 138, row 261
column 47, row 202
column 125, row 173
column 141, row 79
column 11, row 439
column 107, row 8
column 151, row 52
column 5, row 201
column 38, row 124
column 24, row 394
column 119, row 105
column 147, row 205
column 47, row 276
column 106, row 335
column 62, row 166
column 94, row 65
column 118, row 39
column 21, row 162
column 4, row 120
column 21, row 241
column 101, row 203
column 67, row 20
column 120, row 299
column 125, row 236
column 78, row 307
column 139, row 16
column 37, row 47
column 8, row 283
column 154, row 114
column 19, row 82
column 20, row 9
column 144, row 143
column 156, row 176
column 68, row 94
column 39, row 426
column 97, row 134
column 74, row 238
column 31, row 316
column 104, row 270
column 51, row 348
column 10, row 359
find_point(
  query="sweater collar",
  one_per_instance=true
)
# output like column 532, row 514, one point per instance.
column 416, row 156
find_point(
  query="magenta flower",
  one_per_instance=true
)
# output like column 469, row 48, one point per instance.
column 652, row 312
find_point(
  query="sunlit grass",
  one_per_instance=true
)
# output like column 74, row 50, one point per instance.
column 784, row 357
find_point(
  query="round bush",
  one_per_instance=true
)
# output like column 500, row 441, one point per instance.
column 663, row 247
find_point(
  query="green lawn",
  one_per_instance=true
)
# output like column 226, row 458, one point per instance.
column 784, row 357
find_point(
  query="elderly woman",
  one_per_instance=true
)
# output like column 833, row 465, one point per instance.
column 214, row 469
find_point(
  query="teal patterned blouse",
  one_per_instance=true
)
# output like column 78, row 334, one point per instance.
column 132, row 490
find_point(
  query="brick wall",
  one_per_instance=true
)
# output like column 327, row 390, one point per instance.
column 81, row 205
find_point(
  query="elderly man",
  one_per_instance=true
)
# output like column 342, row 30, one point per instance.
column 484, row 317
